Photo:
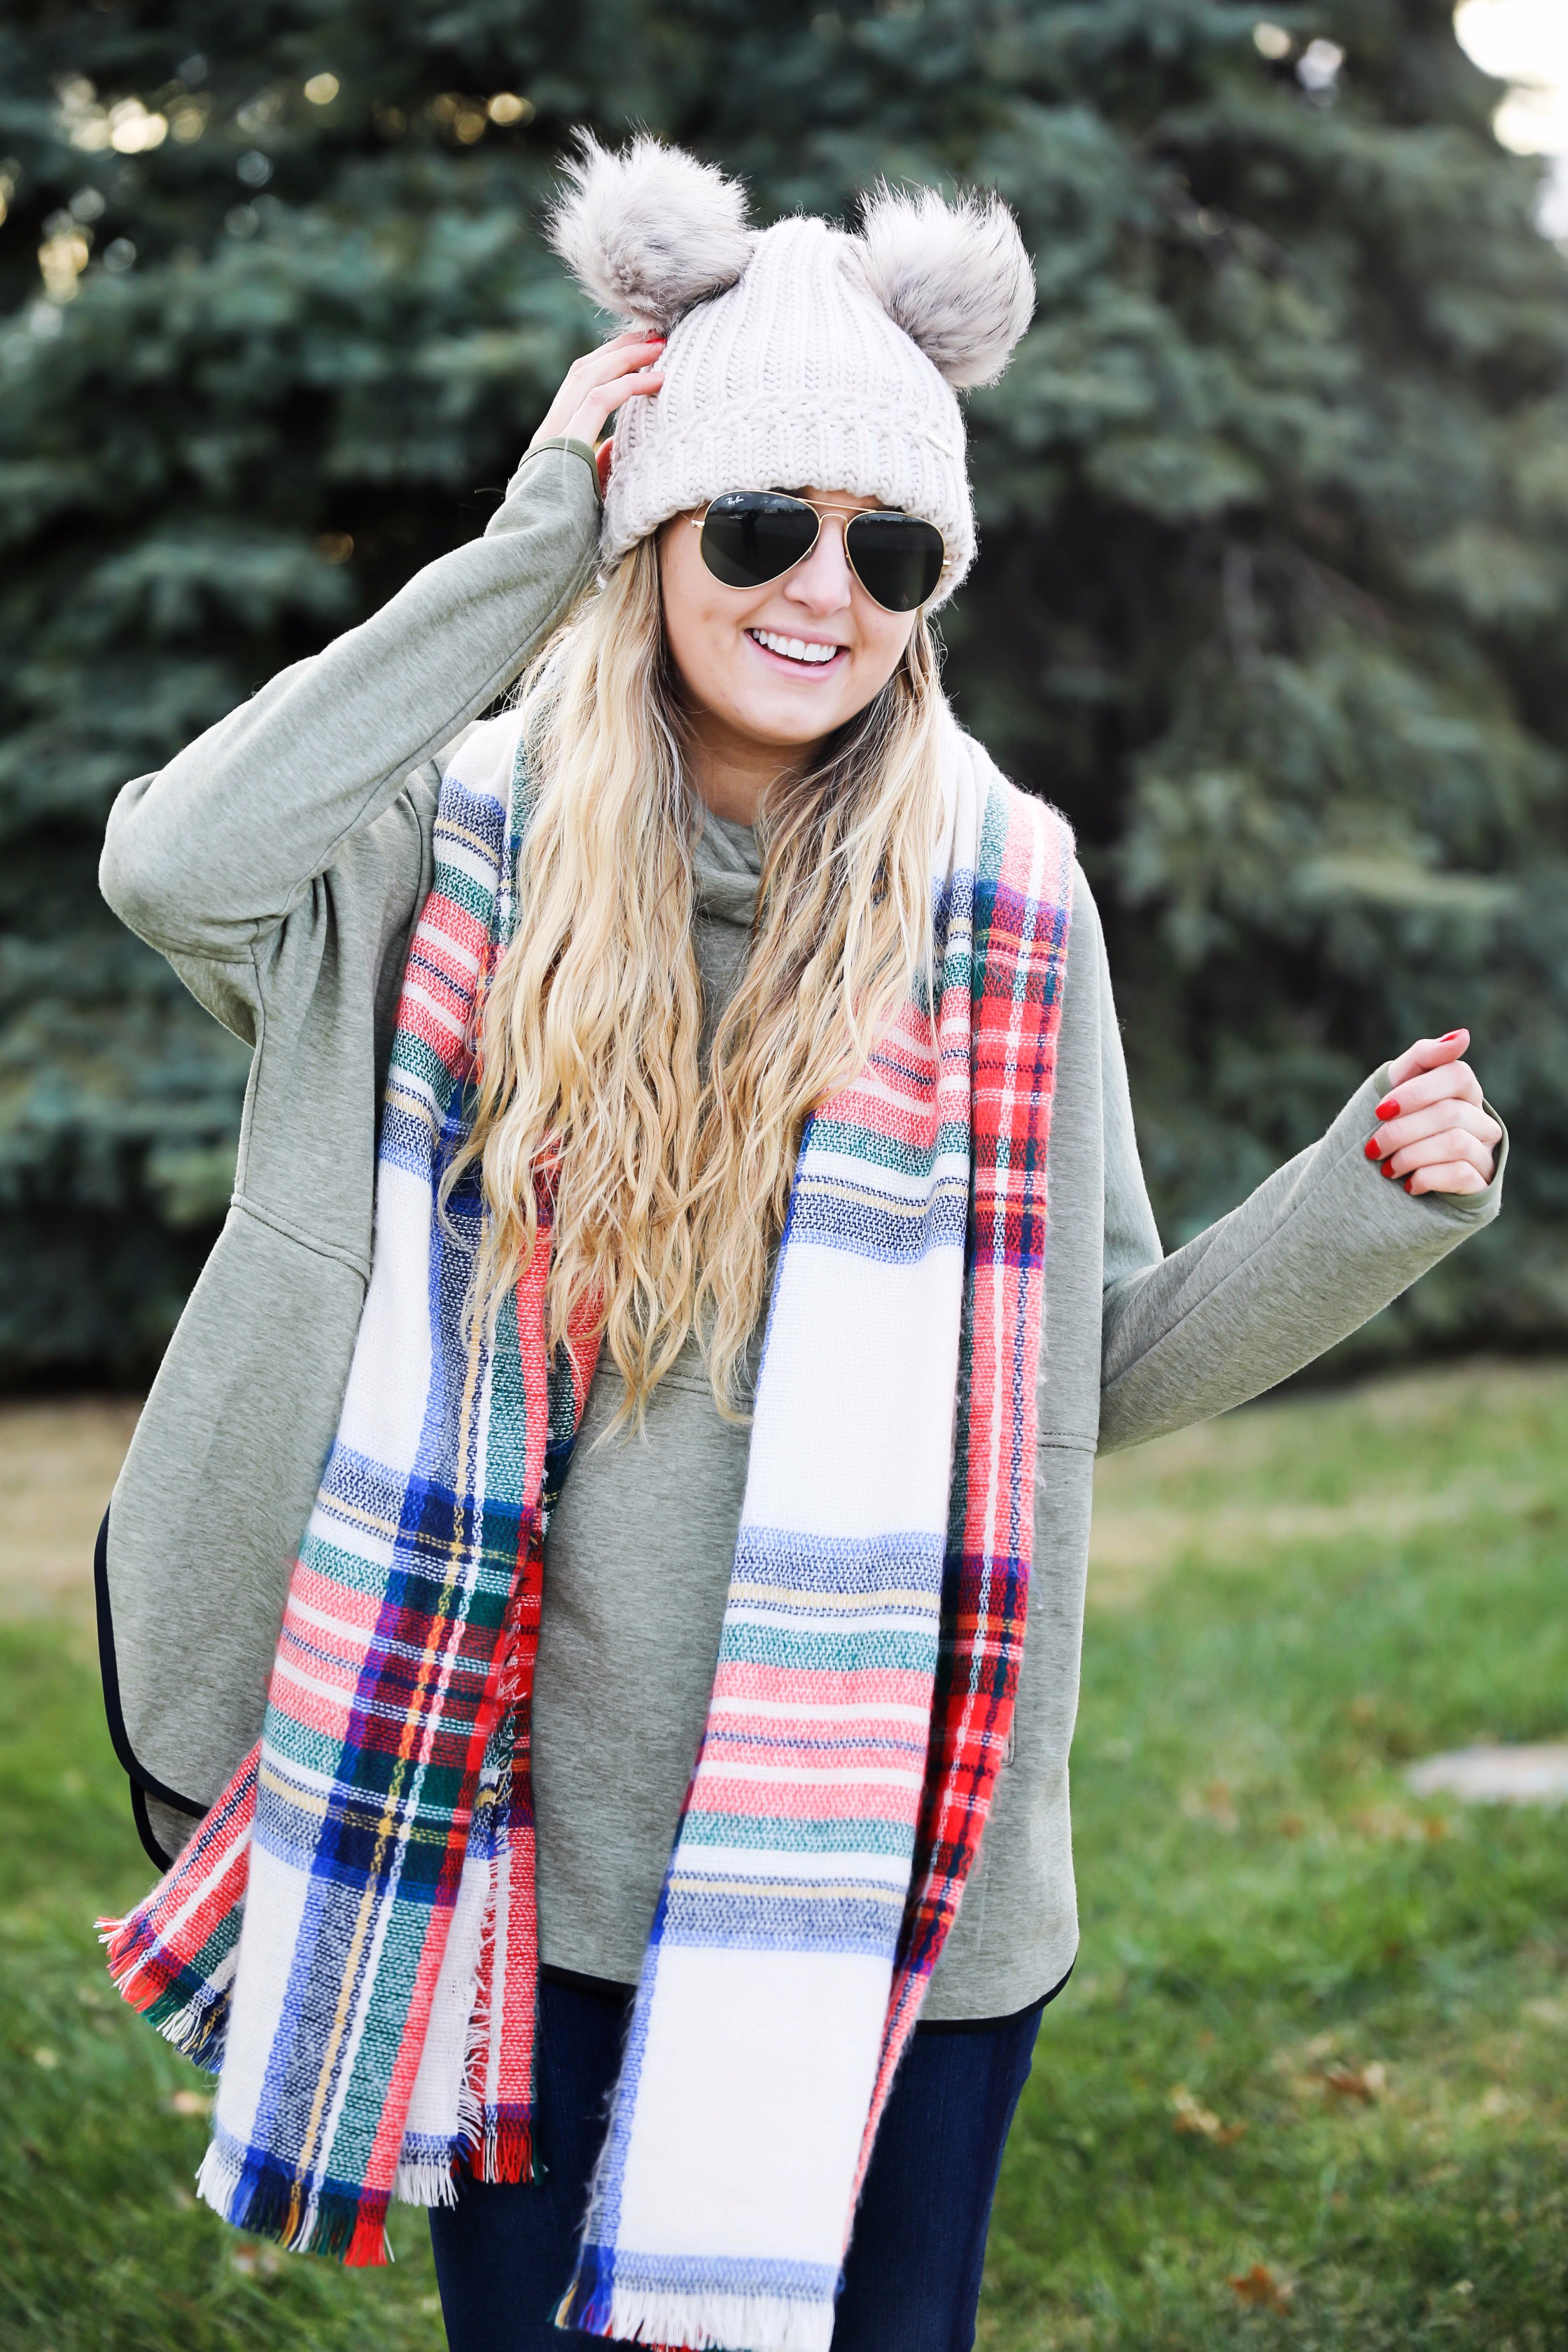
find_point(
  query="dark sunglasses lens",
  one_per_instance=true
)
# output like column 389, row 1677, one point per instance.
column 752, row 536
column 898, row 558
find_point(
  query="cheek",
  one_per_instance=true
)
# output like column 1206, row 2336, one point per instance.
column 696, row 630
column 704, row 655
column 883, row 638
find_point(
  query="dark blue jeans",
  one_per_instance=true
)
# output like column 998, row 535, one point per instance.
column 504, row 2254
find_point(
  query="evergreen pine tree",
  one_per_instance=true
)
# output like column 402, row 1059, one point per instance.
column 1274, row 507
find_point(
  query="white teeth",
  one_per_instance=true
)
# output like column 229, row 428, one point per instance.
column 794, row 648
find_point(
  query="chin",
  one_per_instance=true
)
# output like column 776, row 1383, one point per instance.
column 787, row 712
column 789, row 725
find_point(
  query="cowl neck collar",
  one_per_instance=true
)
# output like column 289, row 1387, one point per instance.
column 726, row 870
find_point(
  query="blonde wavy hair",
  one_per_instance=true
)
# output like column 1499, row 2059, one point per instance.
column 672, row 1186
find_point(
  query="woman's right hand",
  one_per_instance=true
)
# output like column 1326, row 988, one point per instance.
column 626, row 368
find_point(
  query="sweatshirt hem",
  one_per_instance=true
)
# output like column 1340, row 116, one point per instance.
column 616, row 1990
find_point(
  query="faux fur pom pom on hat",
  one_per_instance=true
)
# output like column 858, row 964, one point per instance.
column 954, row 277
column 800, row 356
column 650, row 232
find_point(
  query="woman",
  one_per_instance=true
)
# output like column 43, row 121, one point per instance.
column 719, row 985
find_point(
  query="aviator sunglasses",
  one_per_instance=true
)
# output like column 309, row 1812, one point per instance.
column 750, row 536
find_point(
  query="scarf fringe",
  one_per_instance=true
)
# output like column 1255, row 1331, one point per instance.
column 493, row 2147
column 501, row 2152
column 339, row 2227
column 700, row 2323
column 482, row 1991
column 425, row 2183
column 194, row 2022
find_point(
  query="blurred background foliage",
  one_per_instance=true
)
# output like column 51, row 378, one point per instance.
column 1274, row 505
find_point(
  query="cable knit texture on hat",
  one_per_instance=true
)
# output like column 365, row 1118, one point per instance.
column 799, row 355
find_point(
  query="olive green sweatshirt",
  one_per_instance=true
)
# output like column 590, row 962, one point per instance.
column 279, row 862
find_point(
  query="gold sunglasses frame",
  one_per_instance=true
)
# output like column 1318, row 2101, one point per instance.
column 850, row 514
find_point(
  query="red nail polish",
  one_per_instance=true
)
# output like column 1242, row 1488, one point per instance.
column 1388, row 1108
column 1388, row 1166
column 1408, row 1181
column 1372, row 1147
column 1449, row 1037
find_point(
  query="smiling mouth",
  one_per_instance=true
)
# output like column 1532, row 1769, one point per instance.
column 799, row 650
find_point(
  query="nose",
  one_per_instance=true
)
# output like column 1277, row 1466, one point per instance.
column 821, row 584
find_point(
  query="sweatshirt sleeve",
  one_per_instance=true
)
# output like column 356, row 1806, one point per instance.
column 210, row 854
column 1318, row 1249
column 1132, row 1236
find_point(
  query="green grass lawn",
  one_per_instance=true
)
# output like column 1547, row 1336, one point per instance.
column 1317, row 2037
column 1356, row 2004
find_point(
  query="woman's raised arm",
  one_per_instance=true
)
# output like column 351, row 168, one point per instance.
column 211, row 853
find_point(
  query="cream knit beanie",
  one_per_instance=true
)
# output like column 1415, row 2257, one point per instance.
column 797, row 355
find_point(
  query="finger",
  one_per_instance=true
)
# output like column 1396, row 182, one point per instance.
column 1447, row 1176
column 609, row 394
column 1448, row 1143
column 1455, row 1080
column 1450, row 1112
column 1427, row 1054
column 627, row 340
column 616, row 357
column 616, row 388
column 588, row 392
column 1433, row 1151
column 602, row 404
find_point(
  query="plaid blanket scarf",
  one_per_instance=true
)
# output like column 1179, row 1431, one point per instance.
column 349, row 1941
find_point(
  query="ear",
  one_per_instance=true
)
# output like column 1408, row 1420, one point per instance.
column 955, row 277
column 650, row 231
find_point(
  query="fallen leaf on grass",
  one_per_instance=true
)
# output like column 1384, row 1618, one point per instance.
column 190, row 2103
column 1187, row 2115
column 1327, row 2077
column 256, row 2262
column 1393, row 1825
column 1215, row 1805
column 1367, row 2084
column 1260, row 2288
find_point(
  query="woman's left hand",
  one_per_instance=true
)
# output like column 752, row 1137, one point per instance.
column 1435, row 1135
